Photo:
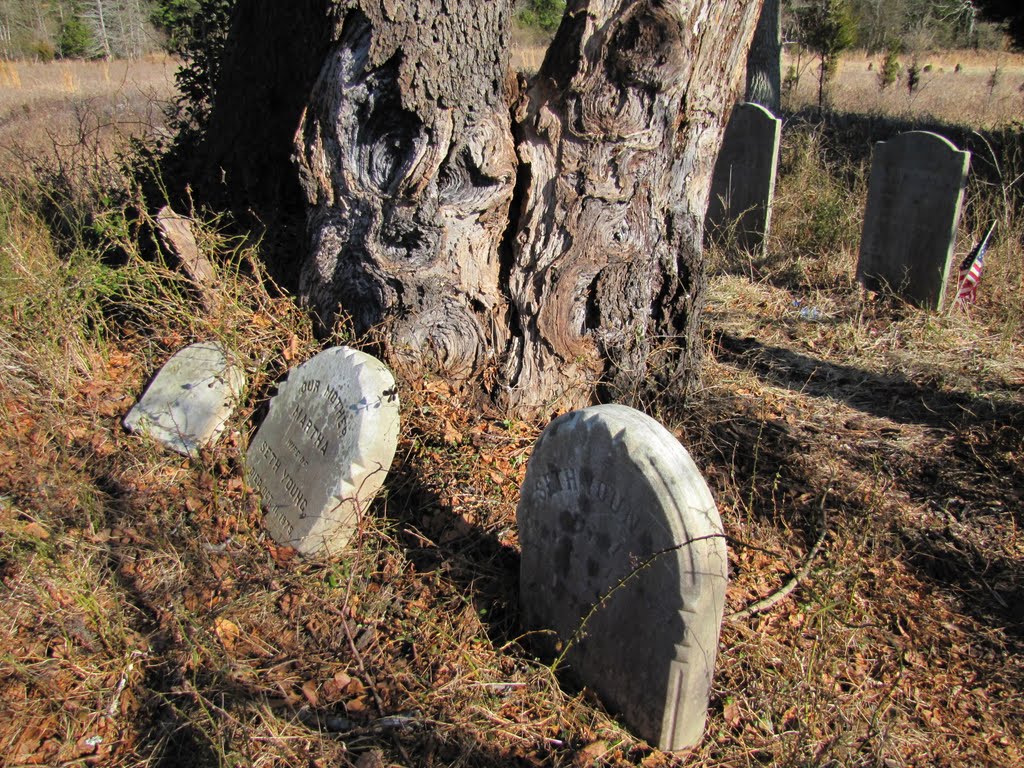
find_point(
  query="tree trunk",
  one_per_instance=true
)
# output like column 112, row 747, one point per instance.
column 619, row 140
column 764, row 62
column 409, row 162
column 274, row 52
column 98, row 15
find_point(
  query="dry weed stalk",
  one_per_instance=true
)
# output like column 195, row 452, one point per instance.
column 9, row 77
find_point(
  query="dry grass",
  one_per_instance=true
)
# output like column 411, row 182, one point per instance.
column 527, row 58
column 44, row 103
column 148, row 620
column 968, row 97
column 903, row 428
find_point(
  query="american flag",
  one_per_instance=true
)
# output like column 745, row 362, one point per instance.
column 970, row 271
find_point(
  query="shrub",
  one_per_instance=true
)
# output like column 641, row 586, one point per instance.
column 542, row 14
column 75, row 40
column 890, row 71
column 198, row 31
column 913, row 77
column 43, row 50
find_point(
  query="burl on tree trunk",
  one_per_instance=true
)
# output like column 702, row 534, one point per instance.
column 543, row 242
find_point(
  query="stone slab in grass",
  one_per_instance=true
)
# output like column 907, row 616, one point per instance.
column 743, row 184
column 189, row 401
column 624, row 567
column 914, row 199
column 324, row 449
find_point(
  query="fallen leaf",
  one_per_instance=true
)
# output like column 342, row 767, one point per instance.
column 292, row 350
column 36, row 530
column 309, row 691
column 372, row 759
column 355, row 706
column 227, row 631
column 450, row 434
column 335, row 687
column 591, row 753
column 731, row 713
column 282, row 555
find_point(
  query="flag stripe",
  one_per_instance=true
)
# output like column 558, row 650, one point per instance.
column 970, row 271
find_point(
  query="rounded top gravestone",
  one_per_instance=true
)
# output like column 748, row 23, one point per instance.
column 743, row 183
column 624, row 561
column 190, row 399
column 913, row 209
column 325, row 448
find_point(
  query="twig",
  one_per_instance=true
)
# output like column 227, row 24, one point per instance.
column 362, row 667
column 778, row 596
column 342, row 725
column 115, row 702
column 358, row 657
column 580, row 631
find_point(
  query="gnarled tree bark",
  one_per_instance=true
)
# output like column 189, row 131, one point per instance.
column 764, row 62
column 406, row 158
column 542, row 256
column 619, row 138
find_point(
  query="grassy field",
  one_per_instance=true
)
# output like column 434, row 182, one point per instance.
column 48, row 105
column 147, row 620
column 987, row 91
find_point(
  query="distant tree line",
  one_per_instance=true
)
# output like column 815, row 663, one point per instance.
column 901, row 25
column 876, row 25
column 89, row 29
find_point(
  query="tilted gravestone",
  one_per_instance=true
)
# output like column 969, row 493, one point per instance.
column 324, row 449
column 743, row 183
column 913, row 209
column 189, row 401
column 624, row 561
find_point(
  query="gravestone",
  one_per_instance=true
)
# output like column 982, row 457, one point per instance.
column 324, row 449
column 189, row 401
column 623, row 562
column 743, row 184
column 914, row 198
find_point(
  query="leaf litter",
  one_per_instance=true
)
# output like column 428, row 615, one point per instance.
column 147, row 616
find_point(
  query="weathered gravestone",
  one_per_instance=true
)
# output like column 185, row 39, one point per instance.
column 623, row 559
column 324, row 448
column 190, row 399
column 914, row 198
column 743, row 183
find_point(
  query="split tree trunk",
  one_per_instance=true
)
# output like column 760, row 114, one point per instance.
column 542, row 259
column 619, row 137
column 764, row 62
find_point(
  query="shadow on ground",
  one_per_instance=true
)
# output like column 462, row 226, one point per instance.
column 963, row 471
